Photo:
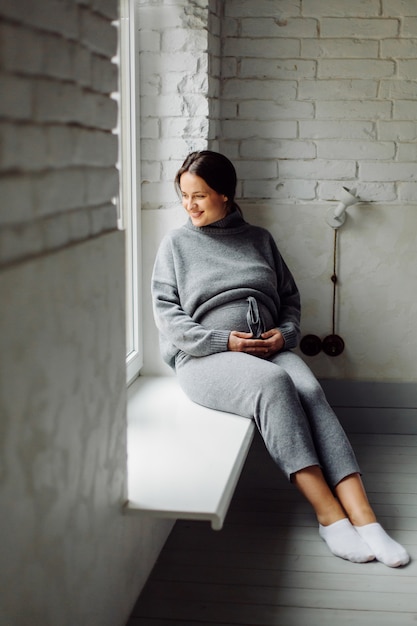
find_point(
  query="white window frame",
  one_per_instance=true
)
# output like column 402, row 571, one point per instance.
column 129, row 194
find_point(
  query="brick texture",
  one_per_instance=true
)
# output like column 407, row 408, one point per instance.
column 179, row 69
column 326, row 92
column 57, row 149
column 304, row 96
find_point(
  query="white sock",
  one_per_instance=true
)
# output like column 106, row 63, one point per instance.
column 344, row 541
column 386, row 549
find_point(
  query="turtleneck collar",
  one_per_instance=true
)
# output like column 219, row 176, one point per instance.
column 231, row 222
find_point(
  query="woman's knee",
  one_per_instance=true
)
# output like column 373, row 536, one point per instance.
column 277, row 378
column 311, row 392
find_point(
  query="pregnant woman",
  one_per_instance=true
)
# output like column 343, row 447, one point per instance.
column 228, row 311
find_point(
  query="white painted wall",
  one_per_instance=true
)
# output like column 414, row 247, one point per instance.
column 68, row 554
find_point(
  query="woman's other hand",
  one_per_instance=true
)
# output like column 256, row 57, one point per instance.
column 272, row 341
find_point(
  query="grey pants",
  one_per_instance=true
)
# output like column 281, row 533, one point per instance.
column 286, row 401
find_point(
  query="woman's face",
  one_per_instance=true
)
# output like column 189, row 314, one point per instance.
column 202, row 203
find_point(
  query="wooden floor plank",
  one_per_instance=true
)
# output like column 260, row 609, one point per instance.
column 377, row 439
column 289, row 579
column 279, row 595
column 272, row 615
column 275, row 616
column 321, row 563
column 252, row 537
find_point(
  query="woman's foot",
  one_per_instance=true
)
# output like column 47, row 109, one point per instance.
column 386, row 550
column 343, row 540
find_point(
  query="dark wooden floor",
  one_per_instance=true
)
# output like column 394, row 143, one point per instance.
column 268, row 566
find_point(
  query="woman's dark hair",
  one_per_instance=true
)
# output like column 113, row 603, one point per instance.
column 215, row 169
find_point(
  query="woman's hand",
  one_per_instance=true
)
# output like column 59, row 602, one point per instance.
column 272, row 341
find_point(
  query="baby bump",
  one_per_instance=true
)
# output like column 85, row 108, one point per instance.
column 245, row 316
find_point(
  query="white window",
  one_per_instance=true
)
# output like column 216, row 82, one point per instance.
column 129, row 196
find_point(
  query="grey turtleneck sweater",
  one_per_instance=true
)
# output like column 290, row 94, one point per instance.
column 200, row 272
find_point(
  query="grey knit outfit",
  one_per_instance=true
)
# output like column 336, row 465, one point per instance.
column 230, row 276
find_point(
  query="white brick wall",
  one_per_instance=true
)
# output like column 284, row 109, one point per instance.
column 290, row 90
column 179, row 88
column 326, row 92
column 57, row 149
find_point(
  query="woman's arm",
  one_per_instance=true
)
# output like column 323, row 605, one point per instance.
column 179, row 329
column 175, row 325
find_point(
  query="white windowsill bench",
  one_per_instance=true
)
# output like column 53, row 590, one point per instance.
column 184, row 460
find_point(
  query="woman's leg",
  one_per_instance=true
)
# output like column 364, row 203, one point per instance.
column 333, row 447
column 312, row 484
column 255, row 388
column 334, row 527
column 351, row 494
column 349, row 489
column 259, row 389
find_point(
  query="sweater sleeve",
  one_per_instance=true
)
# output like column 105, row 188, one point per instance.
column 290, row 308
column 178, row 331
